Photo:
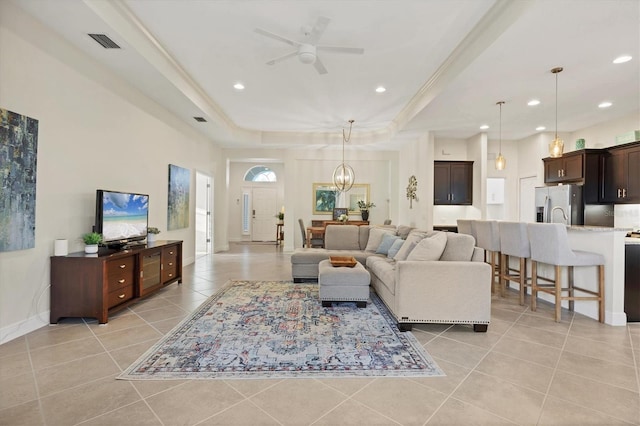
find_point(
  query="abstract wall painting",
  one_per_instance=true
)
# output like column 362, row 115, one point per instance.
column 18, row 155
column 178, row 200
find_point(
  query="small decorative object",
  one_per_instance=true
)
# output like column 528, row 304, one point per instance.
column 348, row 261
column 91, row 241
column 343, row 218
column 580, row 144
column 411, row 190
column 364, row 209
column 280, row 215
column 152, row 234
column 61, row 247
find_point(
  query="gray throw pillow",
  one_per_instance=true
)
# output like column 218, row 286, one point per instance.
column 386, row 243
column 375, row 237
column 395, row 247
column 429, row 248
column 411, row 241
column 459, row 247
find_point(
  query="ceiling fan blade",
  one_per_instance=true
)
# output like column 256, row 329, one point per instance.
column 277, row 37
column 338, row 49
column 318, row 29
column 319, row 66
column 282, row 58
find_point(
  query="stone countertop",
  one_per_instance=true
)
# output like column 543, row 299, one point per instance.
column 632, row 240
column 596, row 228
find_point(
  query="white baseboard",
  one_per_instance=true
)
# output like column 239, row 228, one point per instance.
column 21, row 328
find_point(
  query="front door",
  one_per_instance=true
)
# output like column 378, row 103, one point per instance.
column 263, row 223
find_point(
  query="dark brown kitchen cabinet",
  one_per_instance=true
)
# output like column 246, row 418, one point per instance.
column 632, row 282
column 577, row 167
column 567, row 168
column 453, row 183
column 621, row 175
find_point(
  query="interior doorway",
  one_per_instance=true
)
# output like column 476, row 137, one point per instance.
column 204, row 218
column 527, row 194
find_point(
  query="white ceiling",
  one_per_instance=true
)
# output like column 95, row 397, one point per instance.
column 445, row 64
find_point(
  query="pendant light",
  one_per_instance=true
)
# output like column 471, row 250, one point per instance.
column 343, row 175
column 557, row 145
column 501, row 162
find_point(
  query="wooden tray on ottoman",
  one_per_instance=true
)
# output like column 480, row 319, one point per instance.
column 348, row 261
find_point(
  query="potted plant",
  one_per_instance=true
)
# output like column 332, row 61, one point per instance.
column 152, row 233
column 91, row 241
column 364, row 208
column 343, row 218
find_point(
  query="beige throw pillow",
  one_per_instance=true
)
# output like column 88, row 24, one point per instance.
column 412, row 240
column 429, row 248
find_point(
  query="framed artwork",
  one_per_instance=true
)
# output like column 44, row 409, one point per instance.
column 325, row 196
column 338, row 211
column 178, row 199
column 18, row 158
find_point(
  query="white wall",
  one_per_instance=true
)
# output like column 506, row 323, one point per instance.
column 89, row 137
column 603, row 135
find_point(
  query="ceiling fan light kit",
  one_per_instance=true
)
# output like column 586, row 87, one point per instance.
column 307, row 50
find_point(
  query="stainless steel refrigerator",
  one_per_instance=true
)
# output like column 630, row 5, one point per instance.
column 565, row 204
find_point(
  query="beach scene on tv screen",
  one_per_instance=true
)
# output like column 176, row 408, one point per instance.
column 124, row 215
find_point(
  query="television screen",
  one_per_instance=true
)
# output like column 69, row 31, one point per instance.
column 121, row 216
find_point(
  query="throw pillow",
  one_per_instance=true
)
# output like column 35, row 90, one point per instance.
column 395, row 247
column 403, row 231
column 386, row 243
column 412, row 239
column 429, row 248
column 375, row 237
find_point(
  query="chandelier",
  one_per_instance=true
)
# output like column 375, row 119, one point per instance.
column 343, row 175
column 557, row 145
column 501, row 162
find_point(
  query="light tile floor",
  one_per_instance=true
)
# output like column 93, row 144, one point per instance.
column 525, row 370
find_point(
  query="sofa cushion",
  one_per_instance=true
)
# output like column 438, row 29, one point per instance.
column 385, row 270
column 395, row 247
column 375, row 237
column 386, row 243
column 363, row 235
column 429, row 248
column 459, row 247
column 342, row 237
column 412, row 240
column 403, row 231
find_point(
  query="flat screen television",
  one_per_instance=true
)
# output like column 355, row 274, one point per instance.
column 121, row 217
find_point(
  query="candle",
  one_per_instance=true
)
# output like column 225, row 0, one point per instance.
column 282, row 210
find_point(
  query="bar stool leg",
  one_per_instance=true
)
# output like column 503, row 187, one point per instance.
column 601, row 291
column 571, row 292
column 534, row 284
column 523, row 279
column 558, row 293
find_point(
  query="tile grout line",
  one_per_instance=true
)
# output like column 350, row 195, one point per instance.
column 474, row 369
column 35, row 381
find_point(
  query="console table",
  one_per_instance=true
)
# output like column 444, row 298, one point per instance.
column 93, row 285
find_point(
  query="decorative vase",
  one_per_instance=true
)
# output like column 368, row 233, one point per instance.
column 364, row 214
column 151, row 238
column 91, row 248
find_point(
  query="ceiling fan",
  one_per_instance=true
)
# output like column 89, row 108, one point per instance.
column 306, row 50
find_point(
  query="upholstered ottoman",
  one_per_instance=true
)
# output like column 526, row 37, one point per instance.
column 343, row 284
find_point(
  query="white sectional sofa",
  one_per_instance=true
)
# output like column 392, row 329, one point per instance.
column 423, row 282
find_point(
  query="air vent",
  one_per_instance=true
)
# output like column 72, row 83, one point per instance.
column 104, row 41
column 200, row 119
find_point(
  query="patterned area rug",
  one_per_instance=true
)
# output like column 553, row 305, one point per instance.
column 275, row 329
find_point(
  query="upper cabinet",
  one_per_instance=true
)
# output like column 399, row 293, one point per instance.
column 621, row 175
column 452, row 182
column 581, row 167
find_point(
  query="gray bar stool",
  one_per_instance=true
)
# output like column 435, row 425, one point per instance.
column 488, row 238
column 465, row 226
column 514, row 242
column 550, row 245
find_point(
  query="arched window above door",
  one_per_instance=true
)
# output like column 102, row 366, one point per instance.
column 260, row 174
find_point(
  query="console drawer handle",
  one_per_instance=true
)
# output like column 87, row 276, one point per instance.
column 170, row 263
column 121, row 281
column 170, row 275
column 170, row 252
column 123, row 266
column 121, row 296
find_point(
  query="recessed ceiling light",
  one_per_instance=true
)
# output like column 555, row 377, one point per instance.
column 622, row 59
column 533, row 102
column 541, row 128
column 238, row 86
column 604, row 104
column 380, row 89
column 484, row 127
